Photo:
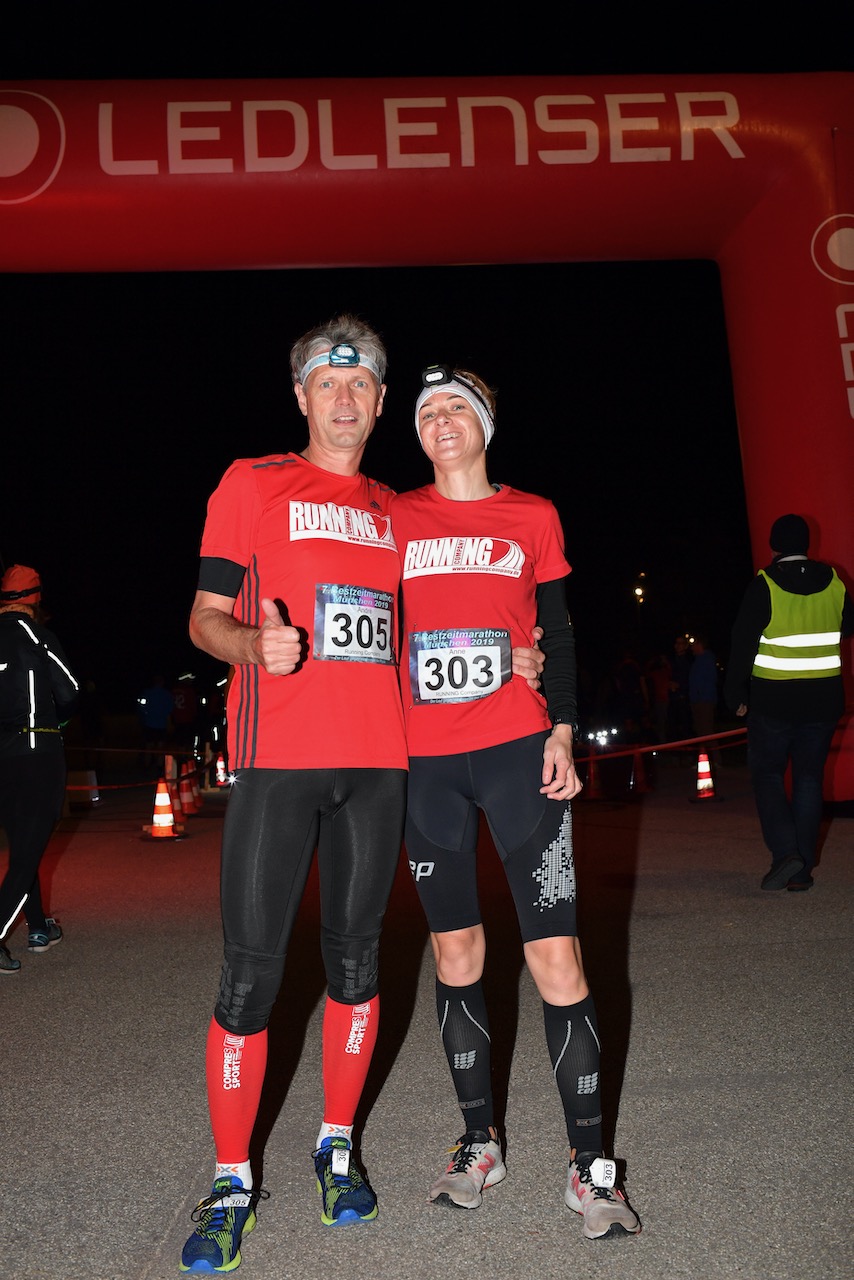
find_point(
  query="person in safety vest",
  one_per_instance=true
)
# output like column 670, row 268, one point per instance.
column 785, row 675
column 38, row 695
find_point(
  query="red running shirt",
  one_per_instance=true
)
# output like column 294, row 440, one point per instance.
column 322, row 545
column 470, row 571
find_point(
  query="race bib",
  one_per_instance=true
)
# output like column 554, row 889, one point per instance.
column 353, row 624
column 458, row 665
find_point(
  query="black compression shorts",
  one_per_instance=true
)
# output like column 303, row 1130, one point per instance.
column 533, row 836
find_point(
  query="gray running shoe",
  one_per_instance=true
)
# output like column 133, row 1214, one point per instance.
column 476, row 1163
column 8, row 963
column 592, row 1191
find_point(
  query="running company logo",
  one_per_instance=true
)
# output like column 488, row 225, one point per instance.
column 341, row 524
column 433, row 556
column 358, row 1026
column 232, row 1056
column 421, row 870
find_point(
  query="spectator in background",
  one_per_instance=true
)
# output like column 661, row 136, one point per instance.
column 680, row 703
column 38, row 694
column 785, row 676
column 630, row 699
column 185, row 713
column 703, row 693
column 658, row 674
column 155, row 710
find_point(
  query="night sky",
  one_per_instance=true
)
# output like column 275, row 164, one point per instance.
column 126, row 396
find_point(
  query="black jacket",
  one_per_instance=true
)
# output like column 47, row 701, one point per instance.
column 38, row 692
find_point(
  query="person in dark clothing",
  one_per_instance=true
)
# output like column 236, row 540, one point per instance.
column 680, row 706
column 785, row 675
column 38, row 694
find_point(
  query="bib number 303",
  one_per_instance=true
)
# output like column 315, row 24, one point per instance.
column 458, row 665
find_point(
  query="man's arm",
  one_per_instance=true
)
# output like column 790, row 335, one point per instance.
column 751, row 620
column 213, row 628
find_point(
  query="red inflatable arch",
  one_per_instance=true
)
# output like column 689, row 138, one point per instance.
column 754, row 172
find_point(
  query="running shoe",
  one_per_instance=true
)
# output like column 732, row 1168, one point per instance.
column 782, row 872
column 44, row 939
column 592, row 1191
column 346, row 1195
column 8, row 963
column 476, row 1162
column 222, row 1219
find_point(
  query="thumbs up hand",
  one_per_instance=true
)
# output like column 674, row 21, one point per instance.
column 278, row 645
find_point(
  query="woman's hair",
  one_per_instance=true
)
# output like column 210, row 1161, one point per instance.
column 485, row 391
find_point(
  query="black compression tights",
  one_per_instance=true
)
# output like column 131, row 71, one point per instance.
column 274, row 821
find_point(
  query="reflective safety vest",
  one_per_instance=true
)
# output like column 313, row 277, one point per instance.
column 802, row 639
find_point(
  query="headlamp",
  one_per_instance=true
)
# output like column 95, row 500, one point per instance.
column 441, row 377
column 342, row 354
column 436, row 374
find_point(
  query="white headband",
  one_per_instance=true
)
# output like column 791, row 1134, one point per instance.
column 467, row 393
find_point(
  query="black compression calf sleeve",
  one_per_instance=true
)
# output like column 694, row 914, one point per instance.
column 464, row 1028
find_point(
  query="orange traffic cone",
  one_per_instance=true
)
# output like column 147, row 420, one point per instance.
column 163, row 822
column 705, row 781
column 185, row 791
column 221, row 775
column 175, row 797
column 593, row 789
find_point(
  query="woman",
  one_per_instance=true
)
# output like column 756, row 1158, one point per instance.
column 482, row 565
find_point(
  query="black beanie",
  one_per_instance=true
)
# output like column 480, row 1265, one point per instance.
column 790, row 536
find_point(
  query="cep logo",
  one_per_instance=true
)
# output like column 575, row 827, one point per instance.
column 420, row 870
column 32, row 144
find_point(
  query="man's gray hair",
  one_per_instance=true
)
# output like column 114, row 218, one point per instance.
column 324, row 337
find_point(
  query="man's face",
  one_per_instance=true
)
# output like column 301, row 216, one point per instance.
column 341, row 405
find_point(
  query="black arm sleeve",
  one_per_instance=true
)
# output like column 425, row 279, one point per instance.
column 558, row 644
column 222, row 577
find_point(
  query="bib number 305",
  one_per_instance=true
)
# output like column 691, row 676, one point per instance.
column 353, row 624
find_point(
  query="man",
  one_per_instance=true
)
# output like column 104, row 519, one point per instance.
column 297, row 592
column 38, row 694
column 785, row 675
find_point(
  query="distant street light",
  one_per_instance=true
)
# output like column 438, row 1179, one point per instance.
column 639, row 592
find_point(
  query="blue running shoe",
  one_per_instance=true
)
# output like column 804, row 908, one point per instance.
column 346, row 1195
column 223, row 1218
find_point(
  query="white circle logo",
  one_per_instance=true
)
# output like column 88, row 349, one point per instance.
column 832, row 248
column 32, row 144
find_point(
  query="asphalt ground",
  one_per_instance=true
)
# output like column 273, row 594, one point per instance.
column 725, row 1015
